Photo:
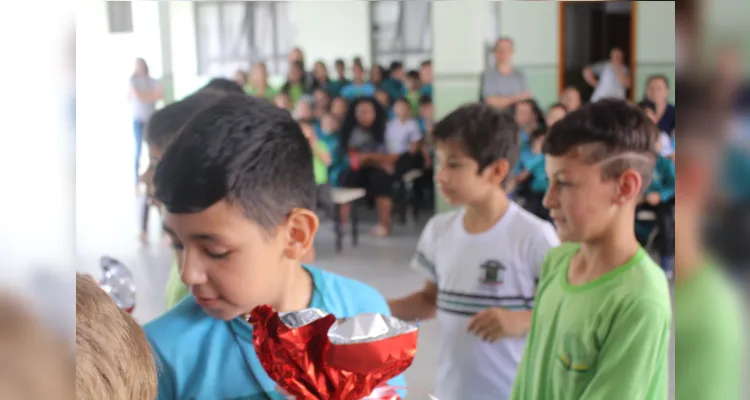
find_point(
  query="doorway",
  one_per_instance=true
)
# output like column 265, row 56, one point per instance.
column 588, row 31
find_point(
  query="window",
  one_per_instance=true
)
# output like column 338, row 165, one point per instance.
column 235, row 34
column 401, row 31
column 120, row 16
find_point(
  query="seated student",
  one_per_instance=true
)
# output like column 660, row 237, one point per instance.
column 666, row 148
column 657, row 91
column 329, row 134
column 321, row 102
column 402, row 139
column 223, row 85
column 160, row 131
column 394, row 83
column 426, row 115
column 481, row 261
column 555, row 113
column 385, row 101
column 371, row 167
column 602, row 314
column 258, row 85
column 37, row 364
column 358, row 87
column 528, row 117
column 113, row 357
column 659, row 198
column 321, row 161
column 534, row 176
column 238, row 188
column 425, row 77
column 377, row 75
column 413, row 86
column 571, row 98
column 334, row 87
column 294, row 86
column 303, row 110
column 283, row 101
column 320, row 76
column 339, row 108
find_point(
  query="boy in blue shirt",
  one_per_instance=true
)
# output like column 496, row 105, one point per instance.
column 238, row 191
column 359, row 87
column 534, row 176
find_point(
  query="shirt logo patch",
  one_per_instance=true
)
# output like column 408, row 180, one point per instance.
column 492, row 273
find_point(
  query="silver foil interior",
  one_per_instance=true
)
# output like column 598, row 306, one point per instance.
column 363, row 328
column 296, row 319
column 367, row 327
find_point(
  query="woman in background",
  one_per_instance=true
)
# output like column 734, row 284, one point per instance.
column 295, row 85
column 258, row 85
column 320, row 77
column 143, row 93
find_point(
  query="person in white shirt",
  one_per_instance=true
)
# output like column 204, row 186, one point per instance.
column 611, row 78
column 482, row 261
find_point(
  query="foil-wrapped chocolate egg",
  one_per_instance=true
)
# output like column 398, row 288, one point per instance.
column 118, row 282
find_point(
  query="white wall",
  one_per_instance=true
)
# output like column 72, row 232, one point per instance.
column 328, row 30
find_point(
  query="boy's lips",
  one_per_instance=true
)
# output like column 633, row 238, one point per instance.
column 206, row 302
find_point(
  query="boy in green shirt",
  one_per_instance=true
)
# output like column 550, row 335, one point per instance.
column 708, row 313
column 160, row 131
column 601, row 322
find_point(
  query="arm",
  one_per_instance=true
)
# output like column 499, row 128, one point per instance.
column 589, row 77
column 322, row 154
column 507, row 101
column 419, row 305
column 623, row 76
column 633, row 360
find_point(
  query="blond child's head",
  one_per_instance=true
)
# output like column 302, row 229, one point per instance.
column 113, row 357
column 34, row 363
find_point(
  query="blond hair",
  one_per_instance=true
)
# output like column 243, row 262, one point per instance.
column 113, row 357
column 36, row 364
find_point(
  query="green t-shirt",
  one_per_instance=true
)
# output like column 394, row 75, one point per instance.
column 319, row 167
column 708, row 328
column 176, row 290
column 606, row 339
column 269, row 95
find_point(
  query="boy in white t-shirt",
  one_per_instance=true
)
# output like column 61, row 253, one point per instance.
column 482, row 261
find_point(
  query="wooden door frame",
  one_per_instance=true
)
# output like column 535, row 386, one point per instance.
column 561, row 46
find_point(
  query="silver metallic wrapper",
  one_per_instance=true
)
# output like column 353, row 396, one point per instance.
column 118, row 282
column 363, row 328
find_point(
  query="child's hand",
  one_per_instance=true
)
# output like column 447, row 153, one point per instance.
column 523, row 176
column 495, row 323
column 653, row 198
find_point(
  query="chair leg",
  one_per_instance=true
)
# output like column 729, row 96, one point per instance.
column 355, row 223
column 337, row 227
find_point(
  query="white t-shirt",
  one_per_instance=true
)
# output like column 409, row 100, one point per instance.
column 496, row 268
column 609, row 86
column 399, row 135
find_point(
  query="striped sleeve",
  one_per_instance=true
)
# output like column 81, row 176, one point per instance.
column 424, row 258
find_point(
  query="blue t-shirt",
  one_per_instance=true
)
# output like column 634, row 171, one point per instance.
column 663, row 180
column 353, row 90
column 203, row 358
column 524, row 155
column 668, row 121
column 535, row 165
column 426, row 90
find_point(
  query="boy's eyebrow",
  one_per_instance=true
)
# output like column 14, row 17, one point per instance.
column 195, row 236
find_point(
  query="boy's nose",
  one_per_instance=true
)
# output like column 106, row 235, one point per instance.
column 191, row 272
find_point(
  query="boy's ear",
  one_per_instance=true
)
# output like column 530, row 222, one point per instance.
column 629, row 186
column 302, row 226
column 497, row 171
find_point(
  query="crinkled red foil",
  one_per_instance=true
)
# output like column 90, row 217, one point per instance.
column 306, row 365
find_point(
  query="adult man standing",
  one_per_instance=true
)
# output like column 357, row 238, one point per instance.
column 504, row 85
column 610, row 77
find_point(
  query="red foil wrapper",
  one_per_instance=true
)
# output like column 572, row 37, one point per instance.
column 313, row 356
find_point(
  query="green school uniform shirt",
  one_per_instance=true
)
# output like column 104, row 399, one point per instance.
column 606, row 339
column 269, row 95
column 319, row 167
column 708, row 328
column 295, row 92
column 176, row 290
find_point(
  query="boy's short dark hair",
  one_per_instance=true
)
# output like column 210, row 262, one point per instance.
column 607, row 130
column 244, row 150
column 413, row 74
column 339, row 61
column 358, row 62
column 486, row 133
column 425, row 100
column 647, row 105
column 223, row 85
column 426, row 63
column 538, row 133
column 703, row 112
column 165, row 123
column 396, row 65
